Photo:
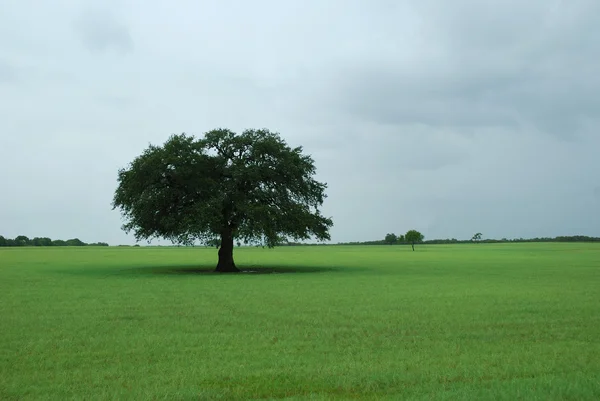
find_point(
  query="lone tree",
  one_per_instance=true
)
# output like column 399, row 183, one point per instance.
column 252, row 187
column 413, row 237
column 476, row 237
column 391, row 239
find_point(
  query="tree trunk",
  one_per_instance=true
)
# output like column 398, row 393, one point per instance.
column 226, row 264
column 413, row 246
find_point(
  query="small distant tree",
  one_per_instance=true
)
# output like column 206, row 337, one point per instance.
column 22, row 240
column 401, row 239
column 476, row 237
column 59, row 242
column 391, row 239
column 414, row 237
column 3, row 241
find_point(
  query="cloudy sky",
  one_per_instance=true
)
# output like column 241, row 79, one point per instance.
column 450, row 117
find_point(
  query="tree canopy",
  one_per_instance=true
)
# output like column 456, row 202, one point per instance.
column 390, row 239
column 251, row 186
column 413, row 237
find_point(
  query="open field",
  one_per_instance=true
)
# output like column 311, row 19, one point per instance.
column 466, row 322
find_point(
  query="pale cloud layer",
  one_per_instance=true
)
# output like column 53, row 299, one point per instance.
column 448, row 117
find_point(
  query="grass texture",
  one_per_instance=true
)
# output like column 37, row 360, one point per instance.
column 461, row 322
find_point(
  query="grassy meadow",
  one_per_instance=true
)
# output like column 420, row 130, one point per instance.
column 461, row 322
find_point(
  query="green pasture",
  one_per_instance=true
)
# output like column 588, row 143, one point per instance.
column 461, row 322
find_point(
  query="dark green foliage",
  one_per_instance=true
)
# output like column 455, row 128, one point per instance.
column 573, row 238
column 445, row 241
column 401, row 240
column 44, row 241
column 75, row 242
column 476, row 237
column 413, row 237
column 252, row 187
column 213, row 242
column 22, row 240
column 391, row 239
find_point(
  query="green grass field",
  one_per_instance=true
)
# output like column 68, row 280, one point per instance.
column 466, row 322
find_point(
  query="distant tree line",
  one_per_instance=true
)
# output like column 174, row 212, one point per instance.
column 477, row 239
column 392, row 239
column 389, row 239
column 23, row 240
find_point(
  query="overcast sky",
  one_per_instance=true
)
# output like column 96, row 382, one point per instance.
column 450, row 117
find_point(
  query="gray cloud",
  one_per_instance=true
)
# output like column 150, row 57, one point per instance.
column 100, row 31
column 486, row 64
column 7, row 72
column 449, row 117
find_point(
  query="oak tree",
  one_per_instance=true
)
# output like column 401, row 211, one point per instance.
column 224, row 186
